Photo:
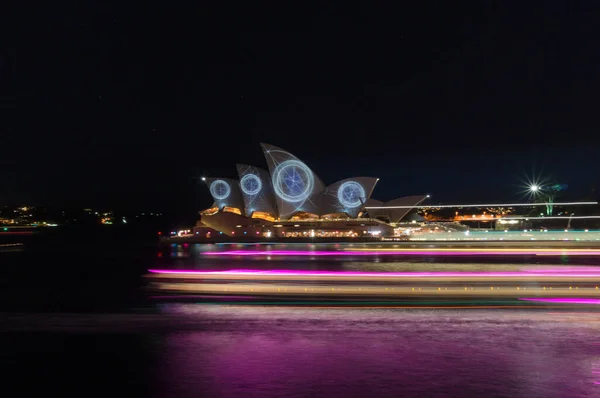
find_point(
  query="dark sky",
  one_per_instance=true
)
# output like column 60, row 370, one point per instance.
column 128, row 105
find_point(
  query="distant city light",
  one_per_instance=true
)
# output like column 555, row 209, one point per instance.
column 508, row 221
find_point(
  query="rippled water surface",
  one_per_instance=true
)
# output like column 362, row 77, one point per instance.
column 75, row 323
column 192, row 350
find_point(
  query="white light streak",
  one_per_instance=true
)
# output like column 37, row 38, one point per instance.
column 552, row 218
column 486, row 205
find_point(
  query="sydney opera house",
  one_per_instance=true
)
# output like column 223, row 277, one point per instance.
column 291, row 201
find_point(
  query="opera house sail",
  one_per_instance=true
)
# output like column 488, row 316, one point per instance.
column 257, row 192
column 290, row 200
column 297, row 188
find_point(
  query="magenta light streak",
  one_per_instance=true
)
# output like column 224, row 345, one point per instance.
column 195, row 296
column 564, row 300
column 400, row 253
column 561, row 269
column 359, row 274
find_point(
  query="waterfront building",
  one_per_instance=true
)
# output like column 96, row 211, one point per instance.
column 290, row 200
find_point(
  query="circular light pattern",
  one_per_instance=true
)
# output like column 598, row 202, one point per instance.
column 219, row 189
column 251, row 184
column 351, row 194
column 293, row 181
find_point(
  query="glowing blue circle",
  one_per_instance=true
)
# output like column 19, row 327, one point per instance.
column 293, row 181
column 219, row 189
column 351, row 194
column 251, row 184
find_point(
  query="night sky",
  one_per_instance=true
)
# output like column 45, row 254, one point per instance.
column 128, row 105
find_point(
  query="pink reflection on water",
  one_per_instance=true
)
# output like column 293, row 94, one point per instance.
column 270, row 352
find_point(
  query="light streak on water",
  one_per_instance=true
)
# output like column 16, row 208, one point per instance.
column 568, row 300
column 358, row 275
column 413, row 252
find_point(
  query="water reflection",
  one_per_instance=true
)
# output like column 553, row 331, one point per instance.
column 272, row 352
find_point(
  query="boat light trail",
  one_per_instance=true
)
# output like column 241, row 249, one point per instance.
column 350, row 285
column 451, row 249
column 413, row 252
column 567, row 300
column 560, row 269
column 485, row 205
column 552, row 218
column 371, row 274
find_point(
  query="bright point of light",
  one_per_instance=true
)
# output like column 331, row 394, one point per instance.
column 428, row 196
column 203, row 178
column 534, row 188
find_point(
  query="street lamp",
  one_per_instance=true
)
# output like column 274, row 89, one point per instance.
column 534, row 188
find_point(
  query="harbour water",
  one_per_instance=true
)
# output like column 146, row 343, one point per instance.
column 77, row 321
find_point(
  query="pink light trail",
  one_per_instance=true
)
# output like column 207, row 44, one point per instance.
column 466, row 252
column 564, row 300
column 371, row 274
